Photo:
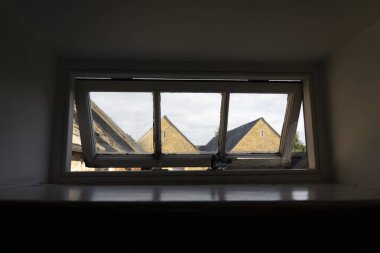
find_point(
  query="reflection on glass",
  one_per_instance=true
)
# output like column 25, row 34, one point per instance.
column 190, row 122
column 121, row 118
column 300, row 139
column 256, row 195
column 299, row 157
column 73, row 194
column 301, row 194
column 127, row 194
column 173, row 193
column 77, row 162
column 255, row 122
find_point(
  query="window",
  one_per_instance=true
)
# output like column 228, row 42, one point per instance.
column 119, row 119
column 192, row 119
column 249, row 116
column 178, row 124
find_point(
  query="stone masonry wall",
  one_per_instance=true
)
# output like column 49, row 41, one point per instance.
column 260, row 139
column 172, row 140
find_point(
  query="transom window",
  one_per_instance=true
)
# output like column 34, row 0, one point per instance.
column 171, row 124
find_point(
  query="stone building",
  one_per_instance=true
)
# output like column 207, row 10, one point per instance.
column 110, row 138
column 172, row 139
column 254, row 137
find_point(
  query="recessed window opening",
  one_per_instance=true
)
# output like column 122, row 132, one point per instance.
column 192, row 125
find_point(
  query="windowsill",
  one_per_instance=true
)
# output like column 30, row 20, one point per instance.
column 262, row 194
column 216, row 216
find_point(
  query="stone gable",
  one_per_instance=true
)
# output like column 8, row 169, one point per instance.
column 261, row 138
column 173, row 141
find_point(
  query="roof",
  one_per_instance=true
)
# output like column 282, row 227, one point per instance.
column 172, row 125
column 234, row 136
column 109, row 136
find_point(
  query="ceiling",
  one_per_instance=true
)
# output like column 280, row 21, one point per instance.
column 203, row 31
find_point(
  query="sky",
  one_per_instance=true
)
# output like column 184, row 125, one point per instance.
column 196, row 115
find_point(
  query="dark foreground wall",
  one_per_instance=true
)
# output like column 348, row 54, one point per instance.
column 196, row 226
column 27, row 80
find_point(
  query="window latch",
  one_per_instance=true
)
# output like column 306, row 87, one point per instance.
column 218, row 163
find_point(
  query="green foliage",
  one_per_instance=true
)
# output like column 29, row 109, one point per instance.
column 298, row 145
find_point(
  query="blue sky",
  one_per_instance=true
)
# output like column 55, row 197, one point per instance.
column 196, row 115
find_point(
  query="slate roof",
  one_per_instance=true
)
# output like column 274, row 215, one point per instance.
column 165, row 118
column 109, row 136
column 234, row 136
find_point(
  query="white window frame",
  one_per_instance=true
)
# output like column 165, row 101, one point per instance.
column 158, row 159
column 71, row 73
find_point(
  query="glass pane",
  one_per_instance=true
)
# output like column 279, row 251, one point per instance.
column 190, row 122
column 299, row 157
column 120, row 120
column 77, row 161
column 255, row 122
column 300, row 139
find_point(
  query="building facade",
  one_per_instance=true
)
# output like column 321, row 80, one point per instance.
column 254, row 137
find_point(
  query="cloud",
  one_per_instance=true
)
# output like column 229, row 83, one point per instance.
column 131, row 111
column 248, row 107
column 196, row 115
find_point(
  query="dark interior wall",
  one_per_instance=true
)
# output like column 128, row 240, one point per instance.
column 314, row 69
column 354, row 108
column 27, row 75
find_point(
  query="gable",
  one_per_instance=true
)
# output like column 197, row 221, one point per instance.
column 261, row 138
column 109, row 137
column 233, row 137
column 172, row 139
column 247, row 138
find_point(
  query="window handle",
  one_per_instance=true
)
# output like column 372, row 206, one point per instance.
column 218, row 163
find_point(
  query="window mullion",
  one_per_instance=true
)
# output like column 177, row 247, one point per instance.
column 223, row 127
column 157, row 126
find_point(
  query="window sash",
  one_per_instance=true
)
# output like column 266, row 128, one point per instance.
column 83, row 87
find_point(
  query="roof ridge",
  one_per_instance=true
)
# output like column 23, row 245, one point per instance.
column 254, row 121
column 175, row 127
column 231, row 133
column 112, row 124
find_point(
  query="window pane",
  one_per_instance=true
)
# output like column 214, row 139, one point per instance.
column 255, row 122
column 77, row 161
column 120, row 119
column 190, row 122
column 300, row 139
column 299, row 157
